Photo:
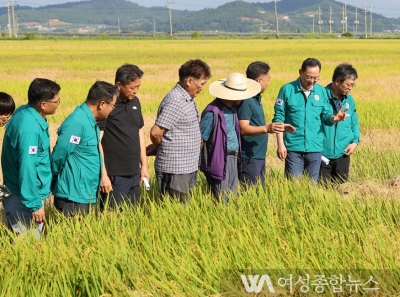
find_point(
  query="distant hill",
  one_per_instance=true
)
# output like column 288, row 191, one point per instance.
column 94, row 12
column 236, row 16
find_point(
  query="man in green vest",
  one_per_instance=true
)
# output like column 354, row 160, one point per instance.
column 77, row 161
column 25, row 158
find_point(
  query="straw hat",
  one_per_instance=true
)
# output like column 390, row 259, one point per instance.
column 235, row 87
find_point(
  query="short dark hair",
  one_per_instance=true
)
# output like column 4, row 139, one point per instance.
column 344, row 71
column 194, row 68
column 310, row 62
column 42, row 89
column 127, row 73
column 256, row 69
column 7, row 104
column 102, row 91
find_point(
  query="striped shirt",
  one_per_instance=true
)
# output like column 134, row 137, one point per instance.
column 179, row 150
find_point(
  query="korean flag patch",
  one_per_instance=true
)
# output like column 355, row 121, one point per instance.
column 32, row 150
column 279, row 102
column 75, row 139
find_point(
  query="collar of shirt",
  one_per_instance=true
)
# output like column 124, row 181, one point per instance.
column 301, row 89
column 42, row 121
column 185, row 94
column 119, row 101
column 258, row 98
column 88, row 113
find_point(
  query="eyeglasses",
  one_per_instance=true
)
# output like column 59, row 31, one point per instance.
column 350, row 86
column 4, row 119
column 56, row 102
column 112, row 105
column 311, row 78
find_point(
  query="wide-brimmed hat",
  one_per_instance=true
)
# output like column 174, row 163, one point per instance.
column 235, row 87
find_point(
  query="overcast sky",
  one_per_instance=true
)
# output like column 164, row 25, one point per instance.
column 388, row 8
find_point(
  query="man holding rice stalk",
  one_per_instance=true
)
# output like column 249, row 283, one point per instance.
column 253, row 128
column 123, row 143
column 341, row 139
column 175, row 136
column 25, row 158
column 303, row 104
column 77, row 161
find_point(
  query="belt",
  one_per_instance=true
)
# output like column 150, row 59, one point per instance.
column 233, row 153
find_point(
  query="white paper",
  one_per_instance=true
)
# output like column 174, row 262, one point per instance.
column 146, row 183
column 325, row 160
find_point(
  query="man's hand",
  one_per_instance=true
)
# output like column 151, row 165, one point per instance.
column 106, row 185
column 341, row 115
column 144, row 172
column 350, row 149
column 39, row 216
column 151, row 150
column 289, row 128
column 275, row 128
column 281, row 152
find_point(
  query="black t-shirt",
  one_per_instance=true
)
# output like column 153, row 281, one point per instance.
column 121, row 143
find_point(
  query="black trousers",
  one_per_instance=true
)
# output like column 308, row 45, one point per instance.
column 71, row 208
column 125, row 190
column 336, row 171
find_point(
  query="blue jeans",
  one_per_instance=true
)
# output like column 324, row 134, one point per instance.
column 298, row 163
column 19, row 217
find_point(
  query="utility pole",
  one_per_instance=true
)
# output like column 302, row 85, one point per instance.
column 276, row 21
column 312, row 16
column 16, row 27
column 370, row 22
column 342, row 21
column 356, row 22
column 119, row 28
column 170, row 17
column 154, row 28
column 9, row 20
column 330, row 20
column 13, row 18
column 345, row 17
column 365, row 21
column 319, row 19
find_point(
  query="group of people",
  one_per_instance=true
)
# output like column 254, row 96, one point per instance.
column 100, row 153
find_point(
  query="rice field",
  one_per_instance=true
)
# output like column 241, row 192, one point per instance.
column 162, row 248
